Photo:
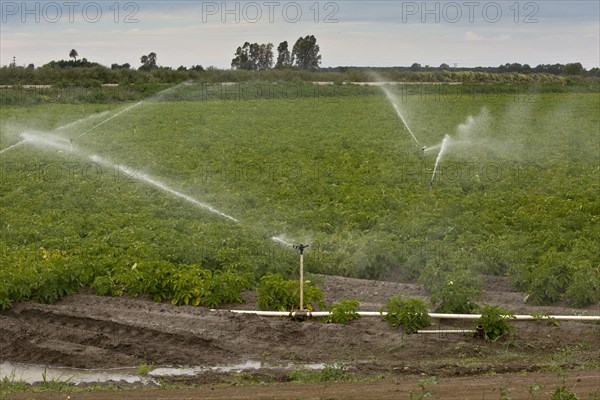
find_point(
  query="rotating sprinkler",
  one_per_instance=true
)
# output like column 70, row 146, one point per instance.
column 300, row 247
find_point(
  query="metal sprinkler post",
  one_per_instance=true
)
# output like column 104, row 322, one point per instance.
column 300, row 248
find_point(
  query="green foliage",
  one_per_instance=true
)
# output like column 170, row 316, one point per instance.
column 360, row 193
column 103, row 286
column 493, row 322
column 504, row 392
column 343, row 312
column 411, row 314
column 563, row 393
column 329, row 373
column 544, row 316
column 454, row 292
column 144, row 368
column 276, row 293
column 424, row 393
column 585, row 286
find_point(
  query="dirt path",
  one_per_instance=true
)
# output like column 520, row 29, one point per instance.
column 586, row 384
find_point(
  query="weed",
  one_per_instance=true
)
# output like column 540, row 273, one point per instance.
column 504, row 392
column 424, row 393
column 329, row 373
column 144, row 368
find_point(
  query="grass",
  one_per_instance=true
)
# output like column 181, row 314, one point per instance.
column 329, row 373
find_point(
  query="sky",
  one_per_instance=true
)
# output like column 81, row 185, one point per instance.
column 349, row 33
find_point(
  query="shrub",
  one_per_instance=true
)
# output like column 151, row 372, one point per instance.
column 344, row 311
column 411, row 314
column 493, row 322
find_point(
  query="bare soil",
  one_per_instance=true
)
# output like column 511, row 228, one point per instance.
column 88, row 331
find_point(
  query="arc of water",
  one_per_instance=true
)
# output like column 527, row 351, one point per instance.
column 129, row 108
column 13, row 146
column 281, row 241
column 443, row 147
column 156, row 183
column 110, row 118
column 399, row 112
column 392, row 99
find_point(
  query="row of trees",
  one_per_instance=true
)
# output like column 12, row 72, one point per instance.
column 305, row 56
column 259, row 57
column 554, row 69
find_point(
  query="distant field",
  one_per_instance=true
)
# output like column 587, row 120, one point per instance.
column 517, row 195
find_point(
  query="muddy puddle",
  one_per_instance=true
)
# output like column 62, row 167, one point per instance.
column 32, row 374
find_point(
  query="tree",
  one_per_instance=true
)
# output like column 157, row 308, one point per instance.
column 117, row 66
column 253, row 57
column 148, row 62
column 73, row 54
column 240, row 61
column 265, row 57
column 444, row 67
column 284, row 58
column 415, row 67
column 573, row 69
column 306, row 53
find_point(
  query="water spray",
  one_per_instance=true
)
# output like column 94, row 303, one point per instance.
column 108, row 119
column 281, row 241
column 443, row 148
column 300, row 247
column 390, row 96
column 13, row 146
column 156, row 183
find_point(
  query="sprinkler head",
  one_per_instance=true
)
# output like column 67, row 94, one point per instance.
column 300, row 247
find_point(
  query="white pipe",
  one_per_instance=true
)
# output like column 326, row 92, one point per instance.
column 432, row 315
column 440, row 331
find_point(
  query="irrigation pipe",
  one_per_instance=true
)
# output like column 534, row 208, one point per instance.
column 432, row 315
column 442, row 331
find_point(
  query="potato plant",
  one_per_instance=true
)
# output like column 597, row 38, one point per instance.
column 276, row 293
column 410, row 314
column 333, row 167
column 343, row 312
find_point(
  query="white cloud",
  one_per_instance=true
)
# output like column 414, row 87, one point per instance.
column 367, row 35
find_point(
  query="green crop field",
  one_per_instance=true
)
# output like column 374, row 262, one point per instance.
column 516, row 194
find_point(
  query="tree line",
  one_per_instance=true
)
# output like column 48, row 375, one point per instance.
column 305, row 55
column 259, row 57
